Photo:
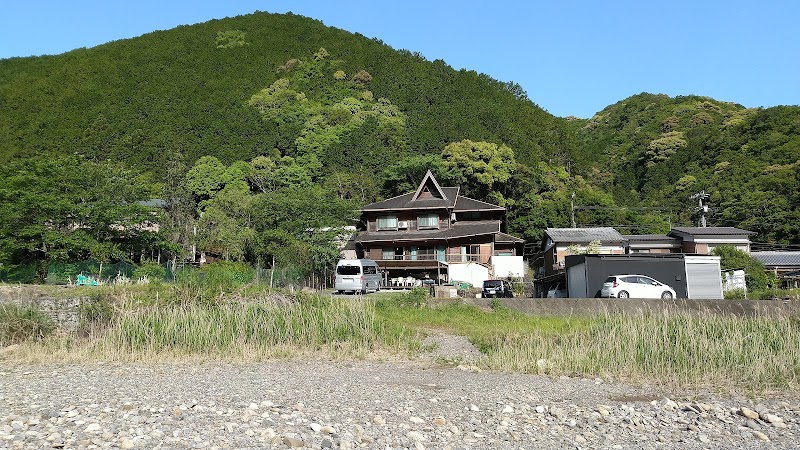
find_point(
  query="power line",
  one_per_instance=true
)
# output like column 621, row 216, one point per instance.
column 622, row 208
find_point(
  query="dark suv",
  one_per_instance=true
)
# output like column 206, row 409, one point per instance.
column 497, row 288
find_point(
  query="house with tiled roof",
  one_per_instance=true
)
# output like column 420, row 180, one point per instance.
column 702, row 240
column 652, row 243
column 558, row 243
column 784, row 264
column 436, row 233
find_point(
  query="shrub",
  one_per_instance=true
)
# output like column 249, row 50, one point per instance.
column 211, row 281
column 22, row 323
column 757, row 278
column 96, row 311
column 228, row 275
column 417, row 296
column 736, row 294
column 150, row 270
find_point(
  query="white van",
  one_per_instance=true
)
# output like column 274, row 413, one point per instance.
column 358, row 275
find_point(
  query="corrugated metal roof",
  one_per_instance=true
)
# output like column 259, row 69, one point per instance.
column 775, row 259
column 580, row 235
column 712, row 231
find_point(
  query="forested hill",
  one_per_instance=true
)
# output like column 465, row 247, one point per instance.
column 187, row 88
column 282, row 102
column 656, row 151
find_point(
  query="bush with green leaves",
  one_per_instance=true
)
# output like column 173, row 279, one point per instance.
column 22, row 323
column 150, row 270
column 757, row 278
column 211, row 281
column 95, row 311
column 736, row 294
column 416, row 296
column 228, row 274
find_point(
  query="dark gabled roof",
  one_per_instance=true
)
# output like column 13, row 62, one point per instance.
column 429, row 188
column 503, row 237
column 777, row 259
column 406, row 201
column 429, row 195
column 584, row 235
column 712, row 231
column 470, row 204
column 460, row 229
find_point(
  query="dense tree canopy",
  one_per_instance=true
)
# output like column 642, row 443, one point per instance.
column 70, row 208
column 265, row 129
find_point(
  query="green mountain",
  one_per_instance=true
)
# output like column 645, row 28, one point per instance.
column 656, row 151
column 352, row 114
column 187, row 88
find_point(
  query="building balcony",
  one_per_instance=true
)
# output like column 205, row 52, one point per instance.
column 450, row 258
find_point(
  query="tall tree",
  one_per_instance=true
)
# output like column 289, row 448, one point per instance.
column 479, row 167
column 69, row 208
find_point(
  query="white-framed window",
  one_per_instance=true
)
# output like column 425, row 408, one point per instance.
column 428, row 221
column 387, row 223
column 396, row 253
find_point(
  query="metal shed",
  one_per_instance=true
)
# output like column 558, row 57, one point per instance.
column 691, row 276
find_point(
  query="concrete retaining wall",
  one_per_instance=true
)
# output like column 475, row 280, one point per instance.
column 594, row 306
column 63, row 309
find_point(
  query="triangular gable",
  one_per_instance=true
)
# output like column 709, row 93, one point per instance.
column 431, row 186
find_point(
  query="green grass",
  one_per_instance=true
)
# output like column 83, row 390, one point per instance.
column 481, row 327
column 671, row 348
column 22, row 323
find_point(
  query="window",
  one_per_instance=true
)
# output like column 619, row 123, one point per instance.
column 393, row 253
column 387, row 223
column 426, row 253
column 428, row 221
column 348, row 270
column 370, row 270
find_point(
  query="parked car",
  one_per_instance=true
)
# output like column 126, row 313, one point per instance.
column 557, row 291
column 497, row 288
column 635, row 286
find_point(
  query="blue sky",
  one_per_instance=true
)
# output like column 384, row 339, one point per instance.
column 572, row 57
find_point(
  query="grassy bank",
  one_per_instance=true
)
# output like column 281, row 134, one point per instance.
column 671, row 348
column 121, row 325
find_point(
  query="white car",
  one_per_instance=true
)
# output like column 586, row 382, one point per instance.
column 635, row 286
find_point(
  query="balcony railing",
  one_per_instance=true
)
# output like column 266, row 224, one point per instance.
column 484, row 259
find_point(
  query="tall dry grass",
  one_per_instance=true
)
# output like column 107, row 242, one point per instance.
column 672, row 348
column 261, row 327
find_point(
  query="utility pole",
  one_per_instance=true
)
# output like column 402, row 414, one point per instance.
column 702, row 200
column 572, row 209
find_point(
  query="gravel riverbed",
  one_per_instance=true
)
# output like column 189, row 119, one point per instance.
column 364, row 404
